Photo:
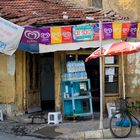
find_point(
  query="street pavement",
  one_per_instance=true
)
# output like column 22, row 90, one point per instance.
column 6, row 136
column 69, row 129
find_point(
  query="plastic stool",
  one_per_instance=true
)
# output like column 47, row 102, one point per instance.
column 1, row 115
column 54, row 118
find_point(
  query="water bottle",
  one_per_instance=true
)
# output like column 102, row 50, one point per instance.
column 83, row 65
column 79, row 66
column 76, row 67
column 68, row 66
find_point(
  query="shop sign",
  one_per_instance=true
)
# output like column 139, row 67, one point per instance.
column 108, row 31
column 66, row 34
column 83, row 32
column 133, row 30
column 125, row 29
column 56, row 35
column 117, row 30
column 30, row 35
column 10, row 35
column 45, row 36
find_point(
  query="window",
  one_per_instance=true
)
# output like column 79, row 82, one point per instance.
column 111, row 75
column 97, row 3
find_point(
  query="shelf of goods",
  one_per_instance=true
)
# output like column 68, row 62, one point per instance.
column 77, row 99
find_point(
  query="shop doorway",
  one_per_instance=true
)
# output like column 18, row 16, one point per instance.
column 93, row 73
column 47, row 82
column 92, row 69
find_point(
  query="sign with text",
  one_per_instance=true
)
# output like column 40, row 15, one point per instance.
column 10, row 35
column 56, row 35
column 117, row 30
column 30, row 35
column 66, row 34
column 45, row 36
column 83, row 32
column 108, row 31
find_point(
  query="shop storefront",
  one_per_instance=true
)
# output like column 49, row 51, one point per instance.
column 75, row 43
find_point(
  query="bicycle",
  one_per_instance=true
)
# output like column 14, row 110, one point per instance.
column 121, row 121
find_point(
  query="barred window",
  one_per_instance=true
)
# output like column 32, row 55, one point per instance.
column 97, row 3
column 111, row 75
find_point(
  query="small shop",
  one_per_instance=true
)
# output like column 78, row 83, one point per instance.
column 31, row 80
column 64, row 46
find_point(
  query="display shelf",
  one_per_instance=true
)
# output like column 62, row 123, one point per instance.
column 77, row 99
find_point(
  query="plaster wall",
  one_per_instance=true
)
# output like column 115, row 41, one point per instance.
column 133, row 75
column 80, row 3
column 129, row 8
column 7, row 78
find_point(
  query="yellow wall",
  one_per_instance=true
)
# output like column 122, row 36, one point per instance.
column 133, row 76
column 128, row 8
column 7, row 79
column 80, row 3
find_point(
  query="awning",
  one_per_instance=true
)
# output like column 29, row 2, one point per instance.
column 10, row 35
column 42, row 48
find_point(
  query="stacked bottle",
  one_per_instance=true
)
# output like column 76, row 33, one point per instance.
column 75, row 66
column 75, row 70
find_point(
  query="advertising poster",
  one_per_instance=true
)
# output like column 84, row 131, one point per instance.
column 96, row 35
column 108, row 31
column 45, row 36
column 66, row 34
column 117, row 30
column 133, row 30
column 56, row 36
column 83, row 32
column 138, row 31
column 31, row 35
column 10, row 35
column 125, row 29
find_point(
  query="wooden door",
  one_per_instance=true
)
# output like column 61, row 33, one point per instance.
column 33, row 83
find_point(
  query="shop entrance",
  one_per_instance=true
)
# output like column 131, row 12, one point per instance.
column 47, row 81
column 93, row 73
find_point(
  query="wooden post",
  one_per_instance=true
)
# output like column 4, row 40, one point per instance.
column 57, row 80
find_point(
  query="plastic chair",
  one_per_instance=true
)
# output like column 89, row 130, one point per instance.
column 54, row 118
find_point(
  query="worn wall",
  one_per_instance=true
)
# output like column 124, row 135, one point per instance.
column 128, row 8
column 80, row 3
column 7, row 78
column 20, row 93
column 133, row 75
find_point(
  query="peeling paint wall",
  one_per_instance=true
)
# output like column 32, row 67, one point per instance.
column 133, row 75
column 80, row 3
column 128, row 8
column 7, row 78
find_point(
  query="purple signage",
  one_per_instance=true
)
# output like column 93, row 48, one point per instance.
column 108, row 31
column 45, row 36
column 30, row 35
column 133, row 30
